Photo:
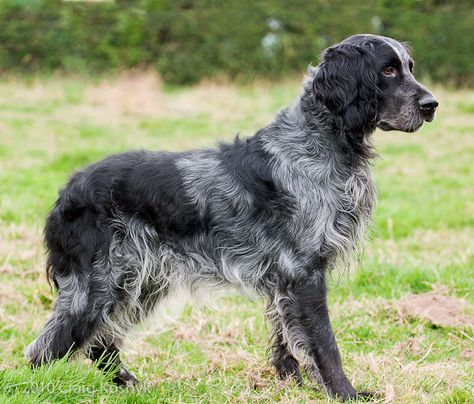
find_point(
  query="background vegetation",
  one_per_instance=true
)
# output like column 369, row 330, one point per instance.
column 187, row 40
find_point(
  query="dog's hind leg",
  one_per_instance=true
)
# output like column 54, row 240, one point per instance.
column 64, row 333
column 74, row 234
column 76, row 317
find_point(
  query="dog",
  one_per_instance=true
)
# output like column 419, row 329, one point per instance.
column 270, row 215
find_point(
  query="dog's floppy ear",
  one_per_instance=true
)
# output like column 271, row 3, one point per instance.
column 346, row 83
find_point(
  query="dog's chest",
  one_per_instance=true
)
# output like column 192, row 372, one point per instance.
column 332, row 209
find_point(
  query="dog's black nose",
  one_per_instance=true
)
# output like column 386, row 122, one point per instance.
column 428, row 103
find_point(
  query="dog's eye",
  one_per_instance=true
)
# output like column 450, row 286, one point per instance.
column 390, row 71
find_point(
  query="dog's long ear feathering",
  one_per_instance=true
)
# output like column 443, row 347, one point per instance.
column 346, row 83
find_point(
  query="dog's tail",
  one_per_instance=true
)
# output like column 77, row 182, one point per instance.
column 74, row 233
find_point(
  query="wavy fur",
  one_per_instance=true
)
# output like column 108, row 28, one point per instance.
column 269, row 216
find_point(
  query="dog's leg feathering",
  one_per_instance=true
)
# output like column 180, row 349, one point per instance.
column 286, row 366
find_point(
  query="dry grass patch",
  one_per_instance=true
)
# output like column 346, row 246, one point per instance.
column 399, row 382
column 130, row 95
column 21, row 250
column 142, row 95
column 435, row 248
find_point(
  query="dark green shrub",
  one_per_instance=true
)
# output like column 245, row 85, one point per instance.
column 187, row 40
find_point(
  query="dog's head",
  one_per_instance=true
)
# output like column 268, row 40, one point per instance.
column 367, row 81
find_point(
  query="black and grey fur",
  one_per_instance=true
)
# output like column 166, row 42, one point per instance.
column 270, row 215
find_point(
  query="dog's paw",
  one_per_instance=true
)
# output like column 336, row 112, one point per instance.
column 360, row 396
column 367, row 396
column 125, row 378
column 289, row 370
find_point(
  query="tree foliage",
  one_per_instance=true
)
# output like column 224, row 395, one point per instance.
column 187, row 40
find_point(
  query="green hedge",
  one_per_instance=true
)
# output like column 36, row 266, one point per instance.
column 187, row 40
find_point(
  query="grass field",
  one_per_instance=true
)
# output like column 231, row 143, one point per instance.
column 422, row 243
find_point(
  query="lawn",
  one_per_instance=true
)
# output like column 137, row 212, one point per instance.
column 422, row 243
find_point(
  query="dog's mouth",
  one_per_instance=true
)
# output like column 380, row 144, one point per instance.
column 413, row 124
column 386, row 126
column 428, row 117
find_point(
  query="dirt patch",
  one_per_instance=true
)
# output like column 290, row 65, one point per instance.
column 437, row 308
column 468, row 353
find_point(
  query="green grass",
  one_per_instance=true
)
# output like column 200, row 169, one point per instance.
column 423, row 238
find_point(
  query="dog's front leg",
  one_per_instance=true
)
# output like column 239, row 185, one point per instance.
column 302, row 305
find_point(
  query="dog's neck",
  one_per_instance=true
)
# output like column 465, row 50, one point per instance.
column 307, row 111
